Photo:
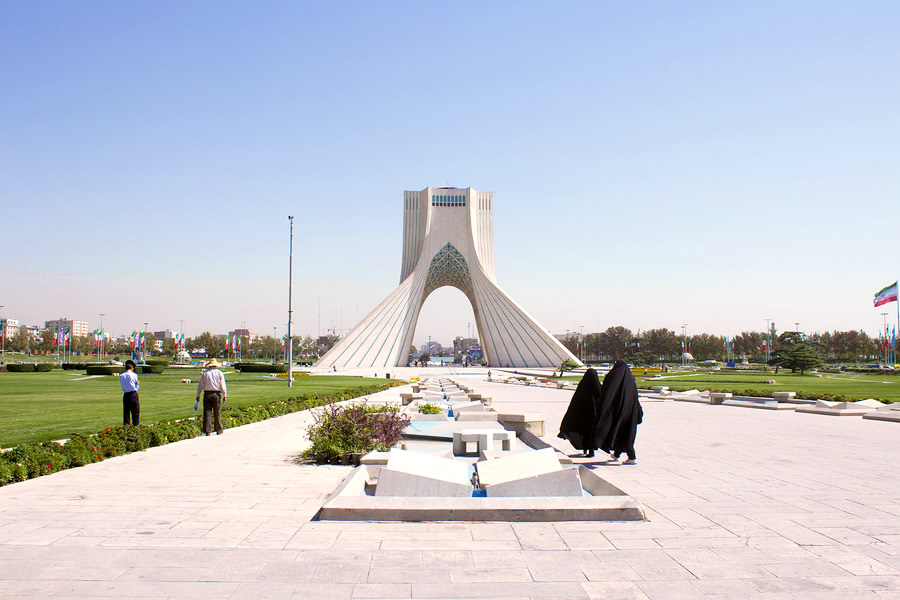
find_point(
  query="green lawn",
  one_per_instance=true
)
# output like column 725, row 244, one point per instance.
column 49, row 406
column 853, row 385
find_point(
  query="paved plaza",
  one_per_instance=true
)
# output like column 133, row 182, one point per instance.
column 740, row 503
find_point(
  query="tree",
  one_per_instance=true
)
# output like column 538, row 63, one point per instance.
column 706, row 347
column 168, row 347
column 612, row 342
column 795, row 352
column 19, row 341
column 567, row 365
column 662, row 344
column 214, row 344
column 149, row 342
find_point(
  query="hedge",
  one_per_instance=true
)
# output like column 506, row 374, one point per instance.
column 104, row 369
column 43, row 367
column 34, row 459
column 70, row 366
column 159, row 361
column 260, row 367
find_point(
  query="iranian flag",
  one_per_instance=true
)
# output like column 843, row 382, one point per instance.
column 226, row 342
column 143, row 338
column 67, row 337
column 888, row 294
column 55, row 336
column 131, row 341
column 239, row 343
column 282, row 342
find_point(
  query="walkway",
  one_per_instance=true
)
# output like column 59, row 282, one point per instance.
column 742, row 503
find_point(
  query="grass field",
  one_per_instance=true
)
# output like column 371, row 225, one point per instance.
column 853, row 385
column 49, row 406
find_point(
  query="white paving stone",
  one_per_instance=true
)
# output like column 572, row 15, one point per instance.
column 798, row 506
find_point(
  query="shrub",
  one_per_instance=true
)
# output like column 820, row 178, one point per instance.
column 44, row 367
column 39, row 459
column 164, row 361
column 430, row 409
column 20, row 367
column 353, row 428
column 260, row 367
column 104, row 369
column 70, row 366
column 145, row 369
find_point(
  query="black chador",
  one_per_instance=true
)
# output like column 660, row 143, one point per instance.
column 616, row 429
column 578, row 423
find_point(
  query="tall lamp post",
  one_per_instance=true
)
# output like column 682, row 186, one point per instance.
column 683, row 343
column 290, row 340
column 3, row 330
column 884, row 345
column 102, row 338
column 143, row 343
column 768, row 343
column 582, row 345
column 274, row 346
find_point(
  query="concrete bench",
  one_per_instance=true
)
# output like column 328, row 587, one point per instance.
column 718, row 397
column 519, row 423
column 484, row 440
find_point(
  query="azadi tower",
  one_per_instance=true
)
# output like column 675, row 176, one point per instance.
column 448, row 239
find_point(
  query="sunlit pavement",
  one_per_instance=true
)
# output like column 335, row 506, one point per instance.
column 741, row 503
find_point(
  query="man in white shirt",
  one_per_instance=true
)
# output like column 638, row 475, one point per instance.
column 131, row 404
column 212, row 387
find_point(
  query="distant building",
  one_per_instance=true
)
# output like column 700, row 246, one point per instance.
column 432, row 348
column 76, row 328
column 246, row 335
column 10, row 326
column 166, row 334
column 466, row 350
column 33, row 331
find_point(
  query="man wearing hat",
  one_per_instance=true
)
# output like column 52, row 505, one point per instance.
column 131, row 405
column 212, row 386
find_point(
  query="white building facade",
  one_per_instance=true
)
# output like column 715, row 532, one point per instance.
column 448, row 240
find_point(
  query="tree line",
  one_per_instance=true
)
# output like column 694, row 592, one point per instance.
column 261, row 348
column 661, row 345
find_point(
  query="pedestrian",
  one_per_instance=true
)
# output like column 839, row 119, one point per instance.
column 212, row 387
column 581, row 417
column 621, row 413
column 131, row 404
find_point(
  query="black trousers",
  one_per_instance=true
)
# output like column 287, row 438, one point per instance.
column 131, row 408
column 212, row 403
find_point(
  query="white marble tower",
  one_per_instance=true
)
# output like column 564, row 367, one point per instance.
column 448, row 239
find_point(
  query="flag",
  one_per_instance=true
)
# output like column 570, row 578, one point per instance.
column 143, row 339
column 888, row 294
column 764, row 345
column 282, row 342
column 239, row 343
column 55, row 336
column 226, row 342
column 67, row 337
column 2, row 327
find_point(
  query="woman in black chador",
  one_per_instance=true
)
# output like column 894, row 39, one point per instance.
column 578, row 423
column 616, row 429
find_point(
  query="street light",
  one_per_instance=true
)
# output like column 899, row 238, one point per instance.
column 274, row 346
column 290, row 340
column 884, row 345
column 683, row 343
column 768, row 343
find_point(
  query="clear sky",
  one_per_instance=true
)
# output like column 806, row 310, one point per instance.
column 652, row 163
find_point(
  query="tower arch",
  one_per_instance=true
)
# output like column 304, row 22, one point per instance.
column 448, row 240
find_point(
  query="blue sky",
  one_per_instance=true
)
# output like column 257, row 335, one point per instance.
column 652, row 163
